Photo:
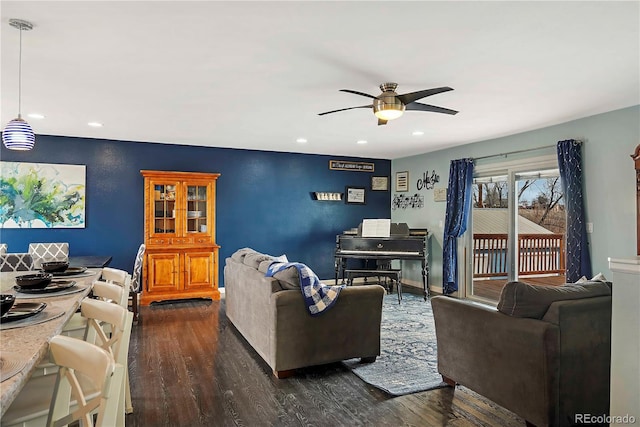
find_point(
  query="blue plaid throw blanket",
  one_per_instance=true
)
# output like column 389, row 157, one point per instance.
column 318, row 297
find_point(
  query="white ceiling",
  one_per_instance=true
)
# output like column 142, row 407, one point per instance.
column 255, row 75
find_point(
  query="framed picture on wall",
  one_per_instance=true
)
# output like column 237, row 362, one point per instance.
column 355, row 195
column 379, row 183
column 402, row 181
column 42, row 195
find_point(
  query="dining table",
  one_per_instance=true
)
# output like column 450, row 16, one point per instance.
column 91, row 261
column 24, row 344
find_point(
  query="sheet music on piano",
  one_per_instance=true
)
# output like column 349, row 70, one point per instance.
column 376, row 227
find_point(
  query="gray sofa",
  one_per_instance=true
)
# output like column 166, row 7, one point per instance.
column 271, row 315
column 544, row 354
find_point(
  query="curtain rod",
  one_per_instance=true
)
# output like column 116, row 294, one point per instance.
column 579, row 141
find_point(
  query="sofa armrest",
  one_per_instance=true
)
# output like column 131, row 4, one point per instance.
column 349, row 329
column 512, row 361
column 585, row 361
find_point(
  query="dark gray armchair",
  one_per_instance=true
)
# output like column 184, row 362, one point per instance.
column 547, row 370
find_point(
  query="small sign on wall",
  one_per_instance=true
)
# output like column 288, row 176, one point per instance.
column 355, row 195
column 402, row 181
column 341, row 165
column 440, row 194
column 427, row 181
column 402, row 201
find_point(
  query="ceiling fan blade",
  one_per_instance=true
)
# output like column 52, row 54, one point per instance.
column 355, row 92
column 416, row 106
column 408, row 98
column 345, row 109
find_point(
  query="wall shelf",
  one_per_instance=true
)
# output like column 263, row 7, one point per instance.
column 327, row 196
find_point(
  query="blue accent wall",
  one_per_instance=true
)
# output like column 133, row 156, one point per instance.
column 263, row 198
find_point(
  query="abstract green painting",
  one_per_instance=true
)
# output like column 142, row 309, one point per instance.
column 42, row 195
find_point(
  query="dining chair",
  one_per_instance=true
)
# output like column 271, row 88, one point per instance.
column 87, row 379
column 16, row 262
column 41, row 252
column 30, row 406
column 124, row 279
column 77, row 327
column 104, row 291
column 136, row 281
column 110, row 292
column 87, row 376
column 118, row 277
column 97, row 365
column 114, row 275
column 117, row 341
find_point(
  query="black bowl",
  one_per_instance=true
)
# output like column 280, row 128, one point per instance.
column 34, row 281
column 54, row 266
column 6, row 302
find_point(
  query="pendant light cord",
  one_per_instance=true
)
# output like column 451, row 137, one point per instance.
column 20, row 76
column 18, row 134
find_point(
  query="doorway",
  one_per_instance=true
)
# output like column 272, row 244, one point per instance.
column 517, row 228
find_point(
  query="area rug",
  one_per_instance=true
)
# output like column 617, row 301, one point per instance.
column 408, row 354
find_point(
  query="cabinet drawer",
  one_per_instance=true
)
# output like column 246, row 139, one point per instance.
column 202, row 239
column 158, row 241
column 182, row 241
column 173, row 241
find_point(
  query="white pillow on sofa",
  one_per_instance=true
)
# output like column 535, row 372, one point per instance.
column 281, row 258
column 599, row 277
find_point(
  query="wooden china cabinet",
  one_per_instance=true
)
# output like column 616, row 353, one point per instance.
column 179, row 234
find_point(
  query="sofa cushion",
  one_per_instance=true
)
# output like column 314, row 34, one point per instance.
column 288, row 278
column 254, row 259
column 240, row 254
column 520, row 299
column 262, row 267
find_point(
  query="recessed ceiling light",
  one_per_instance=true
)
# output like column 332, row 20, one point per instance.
column 362, row 141
column 35, row 116
column 301, row 140
column 95, row 124
column 417, row 133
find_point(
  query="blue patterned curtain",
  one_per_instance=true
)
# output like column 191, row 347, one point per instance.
column 455, row 222
column 578, row 261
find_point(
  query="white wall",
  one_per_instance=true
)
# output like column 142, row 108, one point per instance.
column 609, row 179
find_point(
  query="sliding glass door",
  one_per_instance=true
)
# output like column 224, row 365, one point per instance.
column 517, row 228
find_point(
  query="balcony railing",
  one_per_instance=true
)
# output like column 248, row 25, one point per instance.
column 538, row 254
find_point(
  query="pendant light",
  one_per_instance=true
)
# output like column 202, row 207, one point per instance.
column 18, row 135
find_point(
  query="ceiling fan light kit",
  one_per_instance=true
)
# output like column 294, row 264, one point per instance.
column 18, row 134
column 389, row 105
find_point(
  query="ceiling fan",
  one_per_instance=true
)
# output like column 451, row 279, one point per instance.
column 389, row 105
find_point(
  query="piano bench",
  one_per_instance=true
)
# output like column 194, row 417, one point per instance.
column 393, row 274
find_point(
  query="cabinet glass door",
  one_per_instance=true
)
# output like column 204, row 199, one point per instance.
column 164, row 204
column 196, row 208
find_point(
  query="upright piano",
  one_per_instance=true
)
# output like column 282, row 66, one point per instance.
column 402, row 244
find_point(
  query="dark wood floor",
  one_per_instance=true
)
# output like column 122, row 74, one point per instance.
column 190, row 367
